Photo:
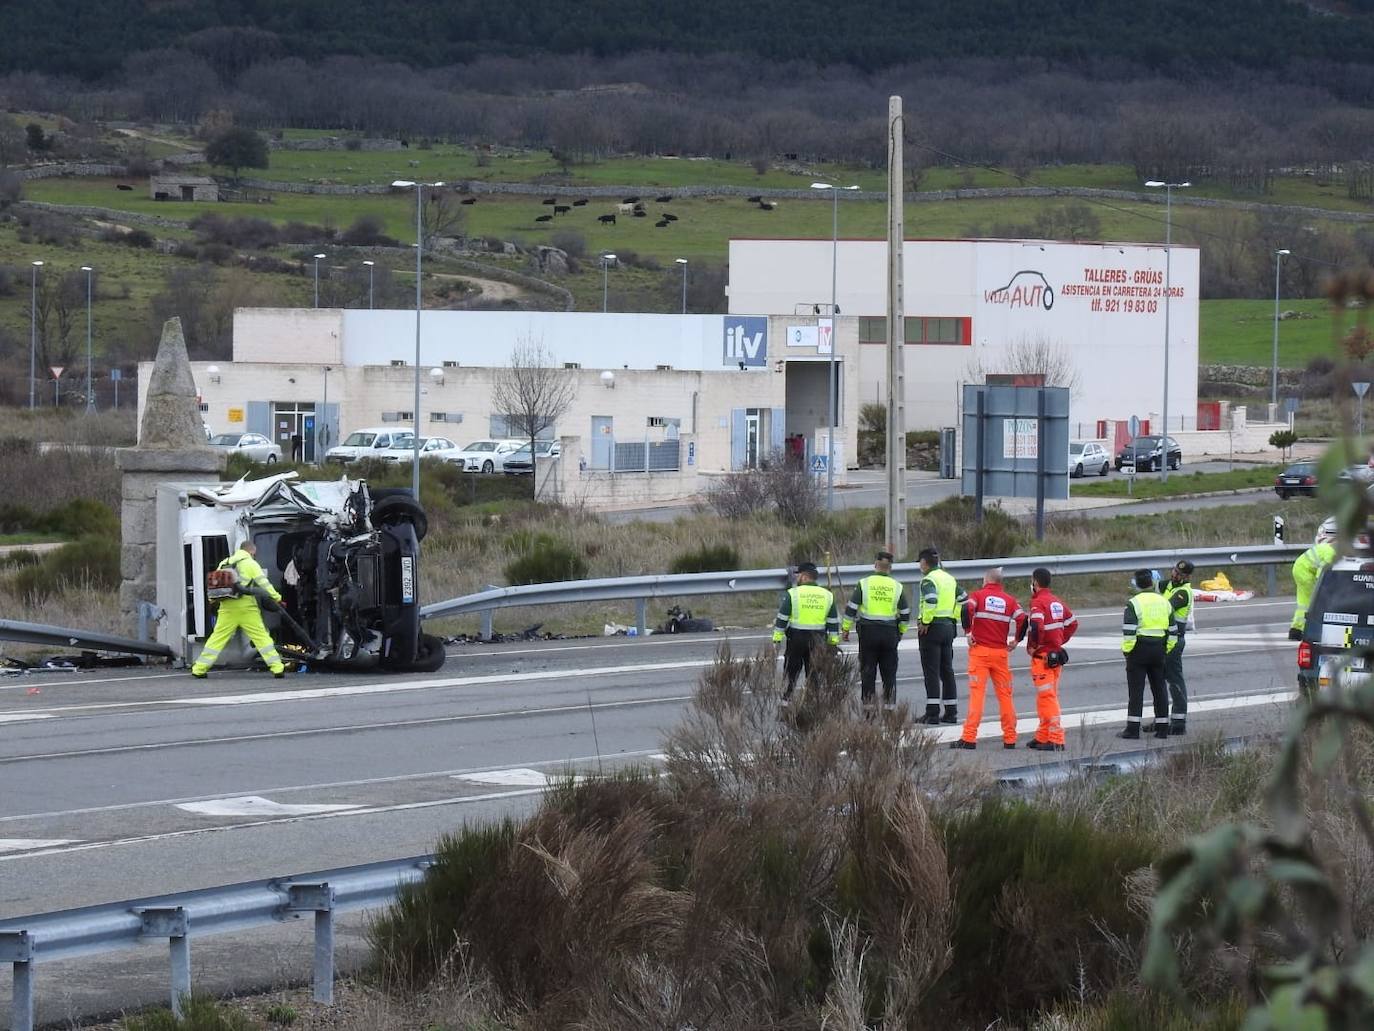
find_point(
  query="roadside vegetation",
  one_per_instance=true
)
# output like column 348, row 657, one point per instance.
column 1152, row 485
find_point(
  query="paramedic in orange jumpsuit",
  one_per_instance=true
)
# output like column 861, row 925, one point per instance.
column 991, row 616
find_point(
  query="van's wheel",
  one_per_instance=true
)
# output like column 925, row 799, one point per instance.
column 429, row 654
column 399, row 509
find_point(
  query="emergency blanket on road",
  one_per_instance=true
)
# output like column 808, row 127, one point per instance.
column 1218, row 588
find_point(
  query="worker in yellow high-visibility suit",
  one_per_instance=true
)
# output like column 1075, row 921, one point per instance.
column 1307, row 569
column 242, row 613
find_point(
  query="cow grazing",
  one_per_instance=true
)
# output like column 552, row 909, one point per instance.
column 581, row 202
column 668, row 217
column 640, row 213
column 667, row 198
column 661, row 224
column 123, row 186
column 631, row 200
column 544, row 218
column 468, row 200
column 756, row 199
column 606, row 219
column 561, row 209
column 549, row 200
column 767, row 205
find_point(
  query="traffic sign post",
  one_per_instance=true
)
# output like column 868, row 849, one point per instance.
column 1133, row 427
column 115, row 376
column 56, row 384
column 1360, row 390
column 819, row 464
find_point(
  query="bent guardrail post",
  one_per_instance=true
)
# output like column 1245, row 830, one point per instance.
column 16, row 948
column 305, row 897
column 642, row 616
column 172, row 923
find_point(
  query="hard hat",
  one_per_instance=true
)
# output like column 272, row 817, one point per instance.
column 1328, row 531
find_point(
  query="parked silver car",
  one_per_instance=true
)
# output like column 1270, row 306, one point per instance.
column 254, row 445
column 1088, row 456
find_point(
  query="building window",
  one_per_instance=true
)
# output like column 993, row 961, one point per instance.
column 572, row 365
column 447, row 365
column 872, row 331
column 398, row 363
column 398, row 417
column 920, row 330
column 204, row 407
column 445, row 416
column 656, row 421
column 664, row 368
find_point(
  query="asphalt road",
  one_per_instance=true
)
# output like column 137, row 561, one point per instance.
column 131, row 784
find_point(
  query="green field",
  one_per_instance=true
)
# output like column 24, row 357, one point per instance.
column 1242, row 332
column 1152, row 486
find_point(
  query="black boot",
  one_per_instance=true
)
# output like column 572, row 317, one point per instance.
column 951, row 715
column 1294, row 634
column 1044, row 746
column 967, row 746
column 932, row 716
column 1131, row 733
column 1177, row 728
column 1161, row 730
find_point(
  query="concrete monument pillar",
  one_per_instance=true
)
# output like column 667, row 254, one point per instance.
column 171, row 447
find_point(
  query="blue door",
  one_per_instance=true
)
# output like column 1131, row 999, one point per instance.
column 603, row 441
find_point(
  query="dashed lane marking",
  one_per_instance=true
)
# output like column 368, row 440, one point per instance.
column 31, row 844
column 255, row 805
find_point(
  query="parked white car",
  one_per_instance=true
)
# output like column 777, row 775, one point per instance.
column 254, row 445
column 1088, row 457
column 486, row 456
column 518, row 462
column 371, row 442
column 439, row 448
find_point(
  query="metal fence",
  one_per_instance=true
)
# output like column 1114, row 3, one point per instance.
column 646, row 456
column 27, row 941
column 743, row 581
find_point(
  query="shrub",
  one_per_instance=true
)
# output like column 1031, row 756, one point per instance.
column 281, row 1014
column 199, row 1013
column 1283, row 439
column 1043, row 894
column 546, row 561
column 844, row 536
column 140, row 239
column 709, row 558
column 366, row 231
column 570, row 242
column 948, row 526
column 91, row 563
column 353, row 143
column 780, row 485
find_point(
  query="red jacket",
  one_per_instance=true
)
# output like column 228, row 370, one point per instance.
column 1052, row 623
column 991, row 615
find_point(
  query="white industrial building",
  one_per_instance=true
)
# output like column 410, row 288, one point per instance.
column 706, row 394
column 971, row 305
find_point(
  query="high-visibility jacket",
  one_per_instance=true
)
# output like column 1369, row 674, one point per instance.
column 1052, row 623
column 1180, row 598
column 1147, row 616
column 991, row 615
column 807, row 607
column 1310, row 564
column 877, row 599
column 251, row 578
column 941, row 596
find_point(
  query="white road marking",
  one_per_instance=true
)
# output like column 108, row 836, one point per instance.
column 22, row 683
column 255, row 805
column 23, row 717
column 30, row 844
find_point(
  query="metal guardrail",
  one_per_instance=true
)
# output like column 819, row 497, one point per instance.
column 66, row 637
column 28, row 941
column 744, row 581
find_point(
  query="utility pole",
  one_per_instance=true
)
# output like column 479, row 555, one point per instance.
column 896, row 337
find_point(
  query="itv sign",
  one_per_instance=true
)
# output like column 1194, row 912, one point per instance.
column 746, row 341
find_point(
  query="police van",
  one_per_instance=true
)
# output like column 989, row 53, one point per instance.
column 1337, row 646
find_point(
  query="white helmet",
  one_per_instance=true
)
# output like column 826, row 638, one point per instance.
column 1328, row 531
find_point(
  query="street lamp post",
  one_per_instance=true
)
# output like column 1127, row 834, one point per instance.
column 1169, row 189
column 369, row 265
column 834, row 333
column 606, row 260
column 322, row 422
column 90, row 395
column 317, row 279
column 33, row 332
column 419, row 253
column 1274, row 369
column 683, row 263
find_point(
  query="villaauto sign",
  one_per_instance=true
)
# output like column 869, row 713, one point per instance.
column 1027, row 288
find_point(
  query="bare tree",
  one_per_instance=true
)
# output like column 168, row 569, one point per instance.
column 1027, row 355
column 533, row 393
column 441, row 215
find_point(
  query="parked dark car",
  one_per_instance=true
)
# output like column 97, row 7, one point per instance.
column 1147, row 454
column 1298, row 480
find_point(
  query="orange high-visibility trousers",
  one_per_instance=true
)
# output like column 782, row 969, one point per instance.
column 989, row 662
column 1046, row 681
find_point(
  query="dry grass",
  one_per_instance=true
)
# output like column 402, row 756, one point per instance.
column 109, row 428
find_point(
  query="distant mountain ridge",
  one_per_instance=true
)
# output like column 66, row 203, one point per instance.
column 1177, row 37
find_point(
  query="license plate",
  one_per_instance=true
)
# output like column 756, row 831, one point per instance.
column 407, row 580
column 1292, row 481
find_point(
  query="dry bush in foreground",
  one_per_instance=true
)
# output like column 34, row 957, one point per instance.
column 731, row 892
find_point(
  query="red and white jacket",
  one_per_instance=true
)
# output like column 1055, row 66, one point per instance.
column 992, row 616
column 1052, row 623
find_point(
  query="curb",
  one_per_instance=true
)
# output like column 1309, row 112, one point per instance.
column 1175, row 497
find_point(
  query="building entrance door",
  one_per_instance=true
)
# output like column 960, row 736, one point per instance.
column 293, row 428
column 603, row 441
